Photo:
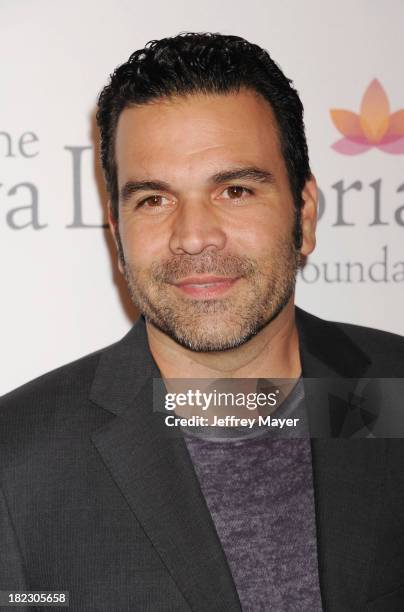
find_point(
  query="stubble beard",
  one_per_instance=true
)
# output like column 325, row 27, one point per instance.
column 215, row 324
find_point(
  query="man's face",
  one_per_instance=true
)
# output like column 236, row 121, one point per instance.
column 206, row 217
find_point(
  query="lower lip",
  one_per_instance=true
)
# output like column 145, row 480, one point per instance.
column 209, row 290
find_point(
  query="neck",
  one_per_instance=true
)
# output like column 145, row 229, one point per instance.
column 272, row 353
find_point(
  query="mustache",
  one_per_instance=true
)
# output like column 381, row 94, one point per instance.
column 179, row 266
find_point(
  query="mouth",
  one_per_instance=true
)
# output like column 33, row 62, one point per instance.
column 205, row 287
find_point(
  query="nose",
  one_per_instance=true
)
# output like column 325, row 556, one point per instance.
column 196, row 226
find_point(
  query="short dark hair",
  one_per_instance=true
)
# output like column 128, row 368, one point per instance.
column 206, row 63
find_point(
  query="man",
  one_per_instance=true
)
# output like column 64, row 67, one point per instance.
column 213, row 209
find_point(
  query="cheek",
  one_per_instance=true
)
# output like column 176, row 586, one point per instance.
column 141, row 243
column 261, row 232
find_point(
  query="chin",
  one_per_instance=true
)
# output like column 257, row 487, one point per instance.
column 220, row 340
column 215, row 330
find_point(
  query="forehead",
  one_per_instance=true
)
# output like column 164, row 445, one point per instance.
column 187, row 131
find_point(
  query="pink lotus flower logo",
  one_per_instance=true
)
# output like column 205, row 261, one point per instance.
column 373, row 127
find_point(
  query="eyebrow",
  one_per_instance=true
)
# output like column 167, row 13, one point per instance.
column 251, row 173
column 132, row 187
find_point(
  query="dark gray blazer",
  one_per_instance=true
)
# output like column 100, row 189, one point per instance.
column 98, row 499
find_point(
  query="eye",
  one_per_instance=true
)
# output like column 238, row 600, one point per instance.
column 154, row 201
column 237, row 192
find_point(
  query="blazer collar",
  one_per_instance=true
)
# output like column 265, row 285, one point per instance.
column 123, row 369
column 326, row 351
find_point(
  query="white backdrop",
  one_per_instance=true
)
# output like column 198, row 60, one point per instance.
column 61, row 296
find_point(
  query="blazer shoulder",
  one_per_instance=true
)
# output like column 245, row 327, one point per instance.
column 374, row 341
column 65, row 384
column 384, row 349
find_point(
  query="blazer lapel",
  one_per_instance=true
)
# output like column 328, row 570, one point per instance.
column 152, row 467
column 347, row 473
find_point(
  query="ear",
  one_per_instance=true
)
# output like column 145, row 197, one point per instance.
column 113, row 226
column 309, row 216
